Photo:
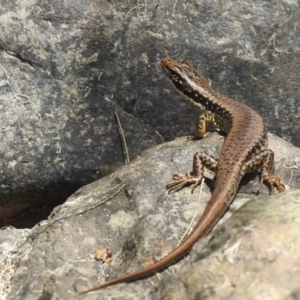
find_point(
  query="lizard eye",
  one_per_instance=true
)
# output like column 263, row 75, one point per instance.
column 174, row 78
column 174, row 72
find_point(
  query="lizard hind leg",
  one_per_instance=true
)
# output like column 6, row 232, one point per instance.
column 200, row 160
column 264, row 160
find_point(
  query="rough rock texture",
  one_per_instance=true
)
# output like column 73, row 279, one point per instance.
column 66, row 67
column 130, row 213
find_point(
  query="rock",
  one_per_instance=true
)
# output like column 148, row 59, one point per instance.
column 253, row 256
column 130, row 213
column 66, row 68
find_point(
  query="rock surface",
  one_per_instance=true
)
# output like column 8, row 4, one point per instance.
column 67, row 67
column 252, row 255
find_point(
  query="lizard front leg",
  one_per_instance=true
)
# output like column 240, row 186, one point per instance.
column 204, row 118
column 264, row 160
column 200, row 160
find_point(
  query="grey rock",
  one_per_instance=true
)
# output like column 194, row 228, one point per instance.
column 67, row 67
column 130, row 213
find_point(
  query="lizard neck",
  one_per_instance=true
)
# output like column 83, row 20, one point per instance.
column 244, row 127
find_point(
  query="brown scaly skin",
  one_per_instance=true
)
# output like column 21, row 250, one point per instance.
column 244, row 151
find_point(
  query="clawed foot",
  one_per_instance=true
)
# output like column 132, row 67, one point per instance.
column 196, row 137
column 274, row 182
column 181, row 181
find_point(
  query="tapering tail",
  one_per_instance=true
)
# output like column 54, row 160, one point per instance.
column 214, row 210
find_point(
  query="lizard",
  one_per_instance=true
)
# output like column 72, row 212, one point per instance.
column 245, row 150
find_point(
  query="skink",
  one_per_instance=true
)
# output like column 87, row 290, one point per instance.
column 244, row 151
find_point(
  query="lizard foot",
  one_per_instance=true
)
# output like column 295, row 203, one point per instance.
column 196, row 137
column 181, row 181
column 274, row 182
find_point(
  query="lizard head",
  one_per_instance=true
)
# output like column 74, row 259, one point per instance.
column 186, row 80
column 176, row 70
column 182, row 75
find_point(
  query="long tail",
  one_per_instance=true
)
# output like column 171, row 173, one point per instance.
column 214, row 210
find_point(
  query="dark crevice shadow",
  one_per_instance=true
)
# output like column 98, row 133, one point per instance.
column 33, row 204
